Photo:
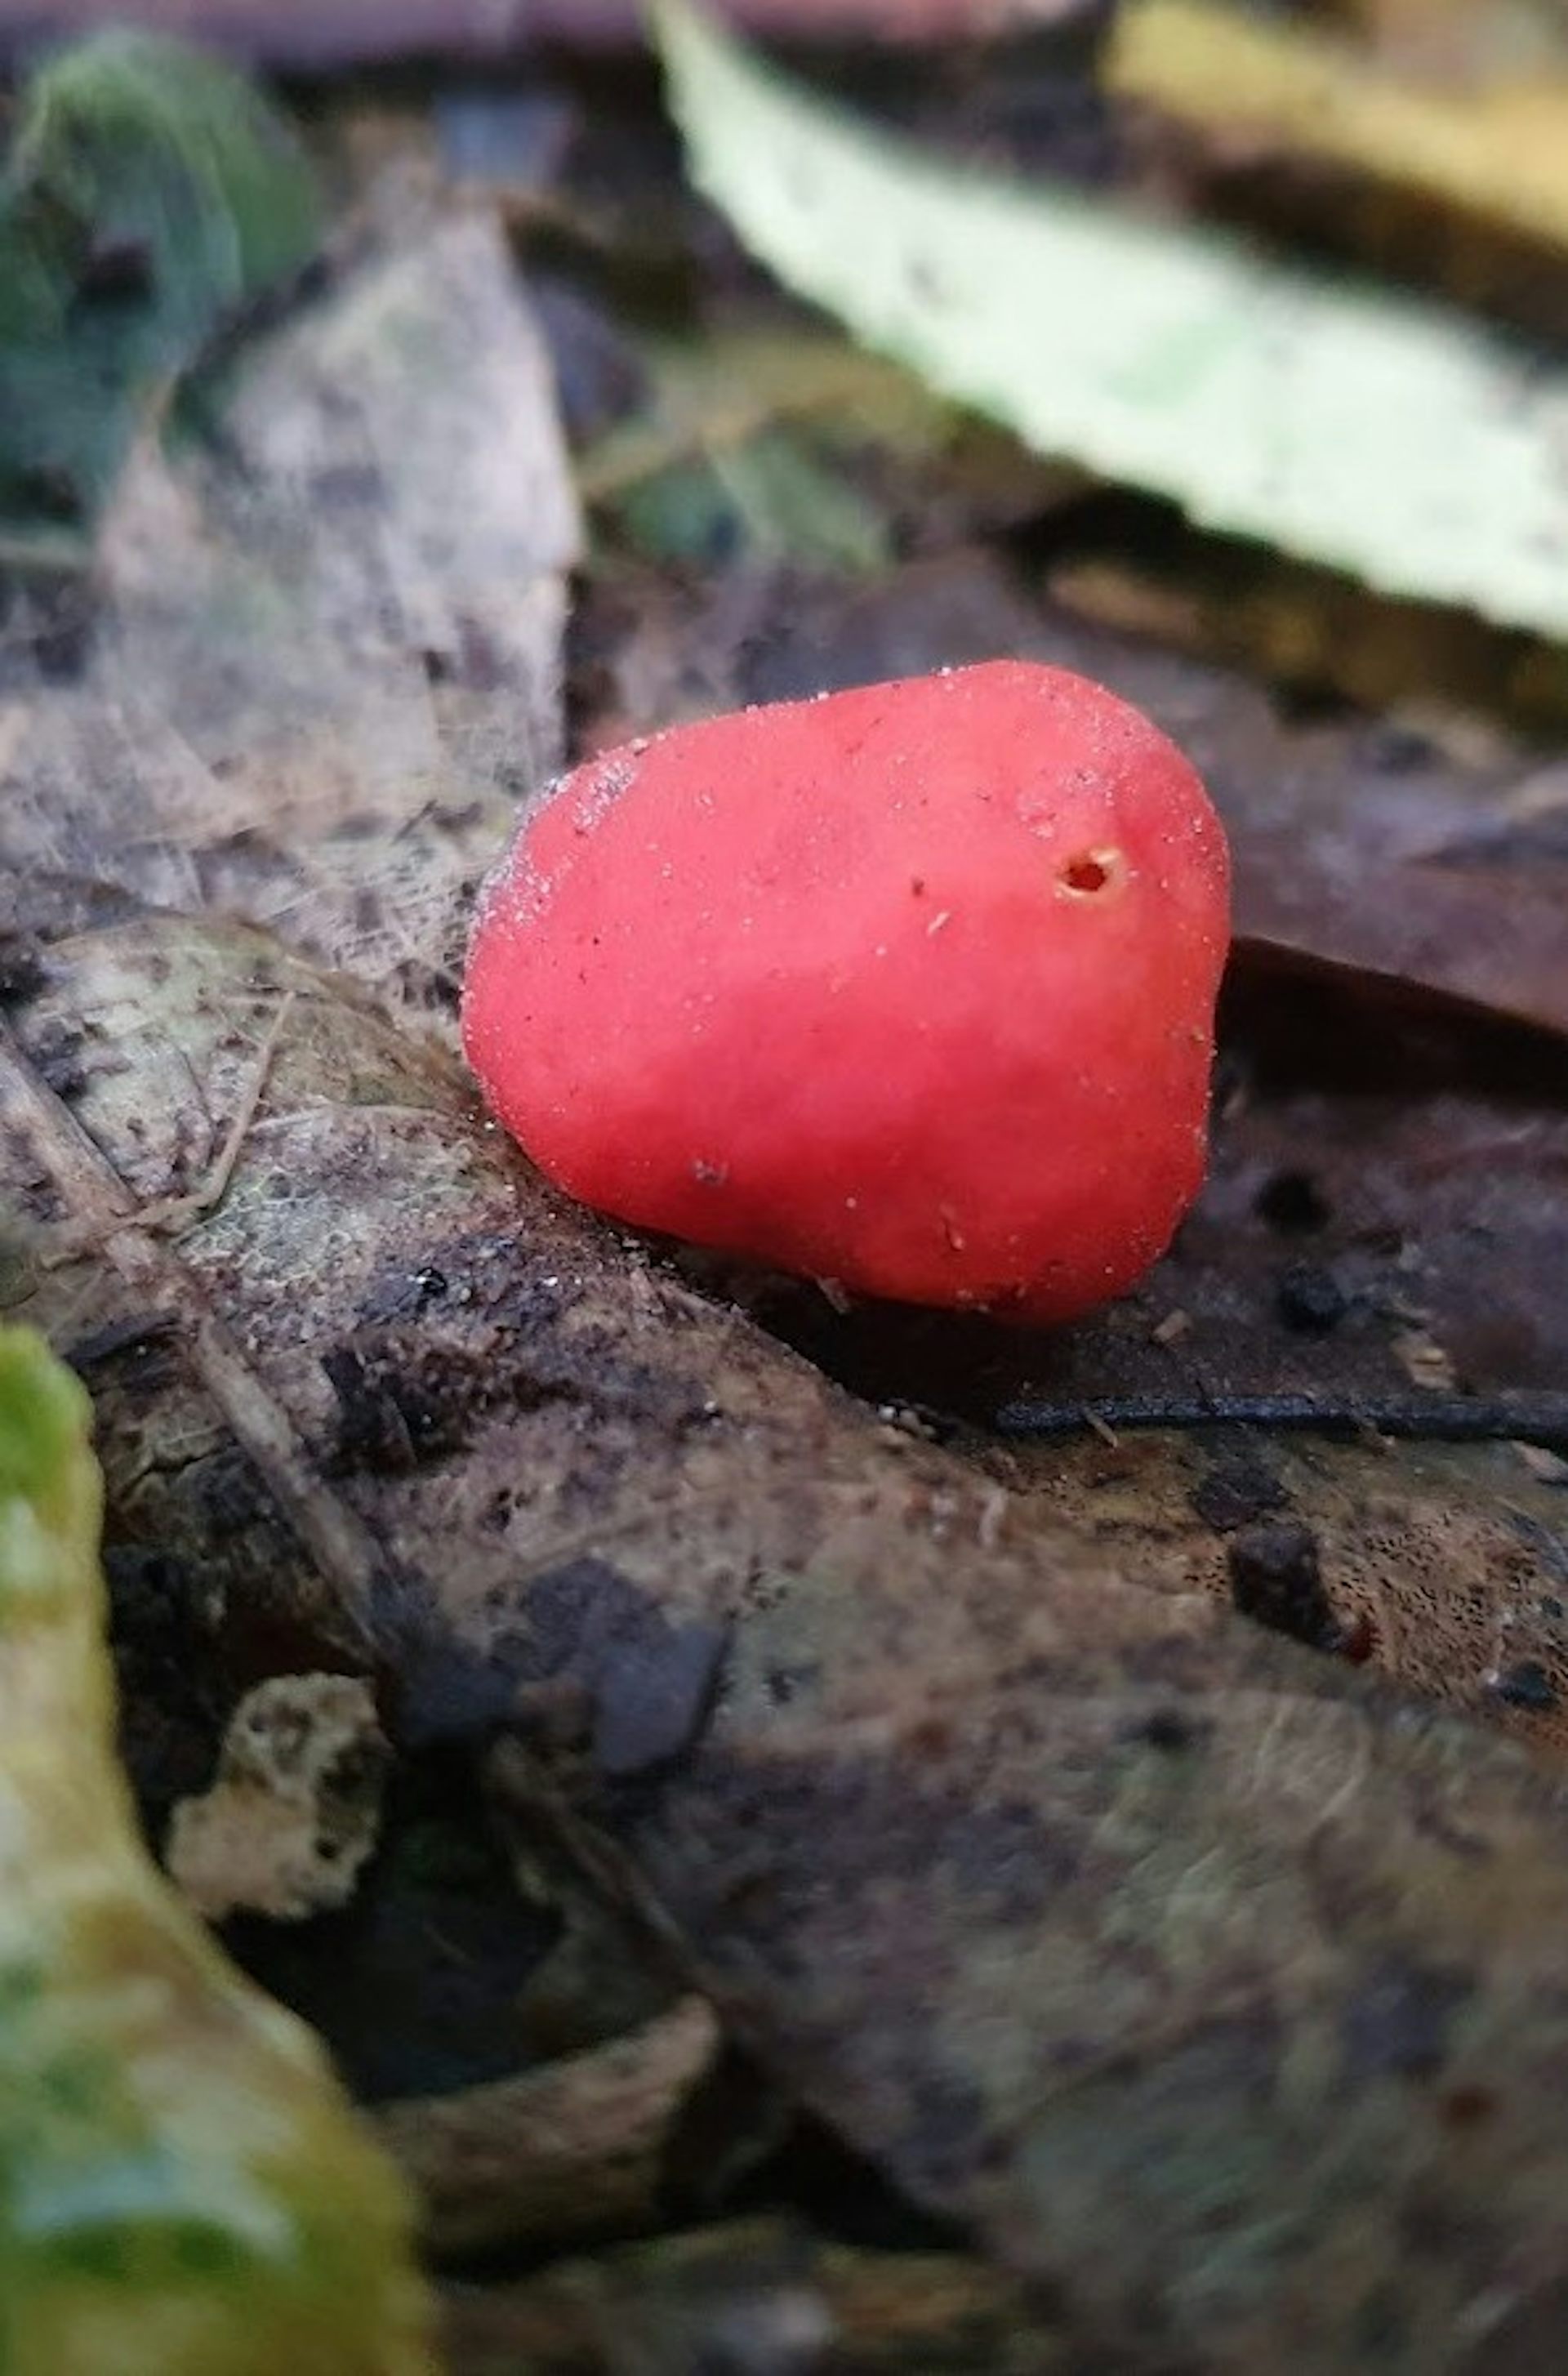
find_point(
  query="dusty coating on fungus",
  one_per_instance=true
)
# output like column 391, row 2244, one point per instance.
column 911, row 987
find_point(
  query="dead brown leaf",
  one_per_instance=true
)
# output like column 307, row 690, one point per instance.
column 1187, row 1970
column 1034, row 1883
column 323, row 663
column 780, row 2297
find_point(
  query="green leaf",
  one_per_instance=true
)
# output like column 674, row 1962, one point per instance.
column 149, row 195
column 182, row 2186
column 1391, row 439
column 769, row 498
column 754, row 442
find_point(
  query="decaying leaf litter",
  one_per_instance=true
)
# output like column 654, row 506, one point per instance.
column 1037, row 1889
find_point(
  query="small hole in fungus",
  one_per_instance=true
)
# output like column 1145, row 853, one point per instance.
column 1089, row 872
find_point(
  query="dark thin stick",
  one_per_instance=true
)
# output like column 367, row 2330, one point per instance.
column 1438, row 1418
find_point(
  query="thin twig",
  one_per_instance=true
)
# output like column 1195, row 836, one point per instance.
column 1440, row 1418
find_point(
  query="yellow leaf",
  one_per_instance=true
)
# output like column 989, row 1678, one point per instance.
column 1499, row 154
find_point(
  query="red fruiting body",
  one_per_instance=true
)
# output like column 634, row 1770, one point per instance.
column 909, row 988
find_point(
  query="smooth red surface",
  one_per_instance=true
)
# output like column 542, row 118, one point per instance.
column 814, row 983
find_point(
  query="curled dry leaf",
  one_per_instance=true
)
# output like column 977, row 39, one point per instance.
column 790, row 2302
column 1048, row 1890
column 580, row 2148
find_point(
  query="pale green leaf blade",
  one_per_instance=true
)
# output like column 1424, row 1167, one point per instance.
column 183, row 2188
column 1393, row 439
